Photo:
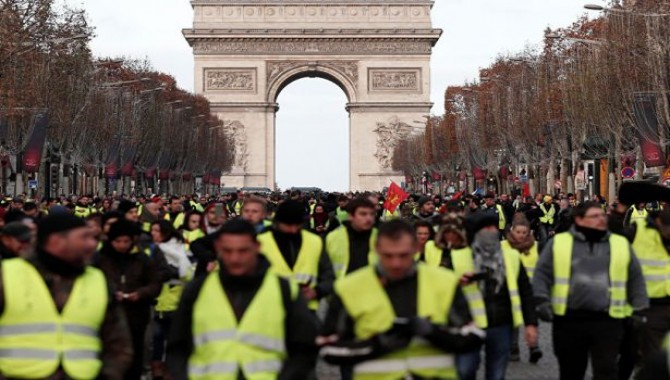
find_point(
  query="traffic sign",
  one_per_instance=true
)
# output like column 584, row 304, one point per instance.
column 523, row 178
column 32, row 184
column 627, row 172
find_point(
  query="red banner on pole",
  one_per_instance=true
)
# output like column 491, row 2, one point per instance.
column 395, row 197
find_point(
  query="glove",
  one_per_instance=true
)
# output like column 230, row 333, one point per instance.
column 421, row 327
column 545, row 312
column 394, row 339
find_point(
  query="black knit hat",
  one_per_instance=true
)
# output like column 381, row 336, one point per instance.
column 290, row 212
column 424, row 200
column 125, row 206
column 123, row 228
column 57, row 223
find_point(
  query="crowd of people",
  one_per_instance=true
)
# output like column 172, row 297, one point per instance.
column 244, row 286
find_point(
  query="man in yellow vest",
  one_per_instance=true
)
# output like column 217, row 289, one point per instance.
column 298, row 254
column 651, row 244
column 587, row 281
column 491, row 207
column 175, row 214
column 506, row 292
column 241, row 321
column 548, row 216
column 59, row 317
column 255, row 211
column 351, row 246
column 392, row 320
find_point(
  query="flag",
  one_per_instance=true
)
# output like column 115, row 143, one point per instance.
column 32, row 155
column 395, row 197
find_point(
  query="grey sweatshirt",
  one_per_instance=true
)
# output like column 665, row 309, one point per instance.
column 589, row 279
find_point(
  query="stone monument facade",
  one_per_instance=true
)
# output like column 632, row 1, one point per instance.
column 377, row 51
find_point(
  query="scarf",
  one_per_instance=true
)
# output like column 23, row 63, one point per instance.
column 488, row 258
column 320, row 219
column 522, row 246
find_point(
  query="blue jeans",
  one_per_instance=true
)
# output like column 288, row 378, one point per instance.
column 497, row 348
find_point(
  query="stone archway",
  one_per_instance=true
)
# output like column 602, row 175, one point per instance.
column 377, row 51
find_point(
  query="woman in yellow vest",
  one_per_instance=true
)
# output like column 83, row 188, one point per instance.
column 520, row 239
column 424, row 234
column 191, row 230
column 172, row 245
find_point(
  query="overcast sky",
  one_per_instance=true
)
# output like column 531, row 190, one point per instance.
column 312, row 125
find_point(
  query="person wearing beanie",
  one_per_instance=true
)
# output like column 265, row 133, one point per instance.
column 15, row 240
column 297, row 253
column 129, row 210
column 426, row 211
column 495, row 275
column 137, row 280
column 54, row 285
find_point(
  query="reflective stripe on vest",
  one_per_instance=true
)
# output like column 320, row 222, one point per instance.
column 502, row 220
column 306, row 268
column 36, row 339
column 618, row 274
column 650, row 251
column 223, row 346
column 548, row 216
column 368, row 304
column 337, row 245
column 464, row 263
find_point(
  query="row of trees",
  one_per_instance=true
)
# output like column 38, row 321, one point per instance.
column 111, row 118
column 593, row 90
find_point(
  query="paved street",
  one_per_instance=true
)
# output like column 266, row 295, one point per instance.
column 546, row 369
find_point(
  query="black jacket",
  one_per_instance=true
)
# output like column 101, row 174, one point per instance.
column 301, row 324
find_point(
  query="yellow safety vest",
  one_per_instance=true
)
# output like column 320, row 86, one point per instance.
column 36, row 339
column 548, row 216
column 654, row 259
column 464, row 262
column 306, row 268
column 529, row 261
column 178, row 221
column 337, row 245
column 223, row 346
column 618, row 272
column 191, row 236
column 82, row 212
column 433, row 254
column 502, row 220
column 635, row 215
column 388, row 215
column 368, row 304
column 341, row 215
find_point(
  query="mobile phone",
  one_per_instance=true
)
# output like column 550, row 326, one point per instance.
column 218, row 210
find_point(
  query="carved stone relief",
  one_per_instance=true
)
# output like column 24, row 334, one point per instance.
column 230, row 79
column 395, row 80
column 389, row 135
column 348, row 69
column 314, row 46
column 236, row 132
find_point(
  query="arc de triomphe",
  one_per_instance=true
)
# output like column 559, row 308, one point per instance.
column 377, row 51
